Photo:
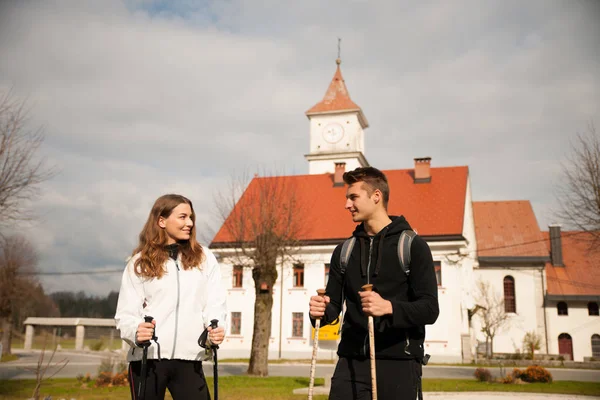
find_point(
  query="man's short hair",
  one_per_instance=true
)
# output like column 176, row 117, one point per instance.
column 372, row 178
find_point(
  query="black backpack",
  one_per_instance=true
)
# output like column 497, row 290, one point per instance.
column 404, row 243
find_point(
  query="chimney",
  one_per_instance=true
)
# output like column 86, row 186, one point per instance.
column 340, row 168
column 423, row 170
column 555, row 246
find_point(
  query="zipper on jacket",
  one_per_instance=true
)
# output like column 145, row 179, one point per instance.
column 176, row 314
column 369, row 262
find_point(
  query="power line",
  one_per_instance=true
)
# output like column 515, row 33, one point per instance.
column 91, row 272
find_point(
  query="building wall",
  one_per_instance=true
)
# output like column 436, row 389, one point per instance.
column 528, row 301
column 578, row 324
column 443, row 339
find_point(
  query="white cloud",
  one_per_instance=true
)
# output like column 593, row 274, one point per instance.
column 144, row 97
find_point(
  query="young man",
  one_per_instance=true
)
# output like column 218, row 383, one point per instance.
column 400, row 304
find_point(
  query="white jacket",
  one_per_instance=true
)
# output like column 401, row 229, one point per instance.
column 183, row 302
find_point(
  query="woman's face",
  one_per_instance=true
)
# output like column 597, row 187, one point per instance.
column 178, row 225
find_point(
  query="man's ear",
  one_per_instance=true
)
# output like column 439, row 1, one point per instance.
column 162, row 223
column 376, row 196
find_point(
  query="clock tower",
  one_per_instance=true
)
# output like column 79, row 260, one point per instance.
column 336, row 130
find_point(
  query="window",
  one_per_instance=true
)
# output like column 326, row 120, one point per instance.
column 562, row 308
column 438, row 272
column 592, row 308
column 326, row 274
column 297, row 324
column 236, row 323
column 596, row 345
column 238, row 276
column 298, row 275
column 510, row 304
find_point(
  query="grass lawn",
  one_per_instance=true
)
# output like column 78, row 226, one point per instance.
column 251, row 388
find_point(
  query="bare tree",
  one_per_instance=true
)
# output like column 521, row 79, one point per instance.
column 21, row 171
column 532, row 341
column 18, row 261
column 41, row 369
column 579, row 193
column 263, row 230
column 492, row 316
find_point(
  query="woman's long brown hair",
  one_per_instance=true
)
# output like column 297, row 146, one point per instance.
column 153, row 240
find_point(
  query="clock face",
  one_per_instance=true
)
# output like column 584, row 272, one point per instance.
column 333, row 133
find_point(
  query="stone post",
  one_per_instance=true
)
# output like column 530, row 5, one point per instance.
column 29, row 332
column 79, row 336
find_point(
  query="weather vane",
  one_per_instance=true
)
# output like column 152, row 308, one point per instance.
column 339, row 47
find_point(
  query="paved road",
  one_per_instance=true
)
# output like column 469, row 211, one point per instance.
column 83, row 363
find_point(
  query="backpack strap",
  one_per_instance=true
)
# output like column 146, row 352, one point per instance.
column 346, row 252
column 404, row 243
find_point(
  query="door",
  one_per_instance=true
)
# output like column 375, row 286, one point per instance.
column 565, row 344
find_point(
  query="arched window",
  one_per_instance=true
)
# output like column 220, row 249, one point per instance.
column 596, row 345
column 592, row 308
column 510, row 304
column 562, row 308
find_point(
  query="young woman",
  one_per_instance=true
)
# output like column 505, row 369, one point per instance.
column 177, row 282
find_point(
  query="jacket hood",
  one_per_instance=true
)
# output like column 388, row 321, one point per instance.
column 396, row 227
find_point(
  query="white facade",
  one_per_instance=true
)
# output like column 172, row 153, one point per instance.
column 578, row 324
column 529, row 300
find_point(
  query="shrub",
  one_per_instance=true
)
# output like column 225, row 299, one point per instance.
column 483, row 375
column 517, row 355
column 106, row 365
column 535, row 373
column 120, row 379
column 97, row 345
column 81, row 379
column 110, row 379
column 104, row 379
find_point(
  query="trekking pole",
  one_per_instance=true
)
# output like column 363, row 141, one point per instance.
column 144, row 371
column 313, row 361
column 213, row 324
column 204, row 342
column 369, row 288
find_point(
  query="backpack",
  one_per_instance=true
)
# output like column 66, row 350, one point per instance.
column 404, row 243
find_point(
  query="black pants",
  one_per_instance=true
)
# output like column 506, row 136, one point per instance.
column 396, row 379
column 184, row 379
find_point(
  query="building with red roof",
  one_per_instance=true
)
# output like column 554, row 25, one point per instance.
column 496, row 242
column 572, row 293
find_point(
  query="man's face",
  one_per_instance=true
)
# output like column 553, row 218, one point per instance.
column 359, row 203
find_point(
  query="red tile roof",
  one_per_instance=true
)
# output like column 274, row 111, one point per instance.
column 435, row 208
column 336, row 98
column 581, row 272
column 507, row 229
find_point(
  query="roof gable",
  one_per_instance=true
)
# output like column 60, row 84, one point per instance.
column 581, row 272
column 507, row 229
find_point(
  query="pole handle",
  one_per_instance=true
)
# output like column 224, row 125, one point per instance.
column 367, row 287
column 321, row 293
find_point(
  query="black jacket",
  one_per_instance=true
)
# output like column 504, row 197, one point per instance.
column 414, row 297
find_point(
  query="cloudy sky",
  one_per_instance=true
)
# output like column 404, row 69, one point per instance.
column 139, row 98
